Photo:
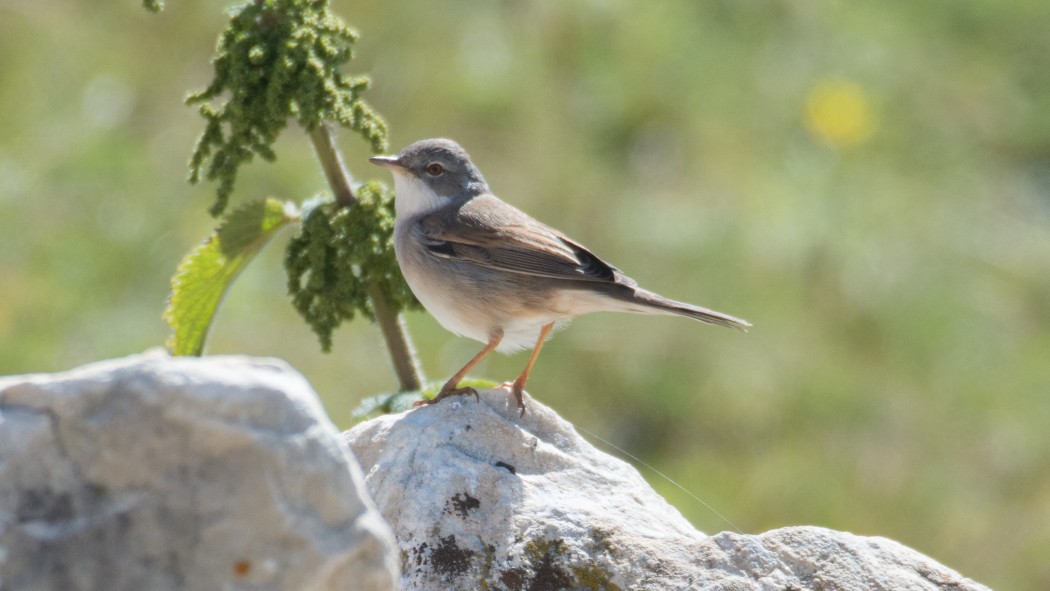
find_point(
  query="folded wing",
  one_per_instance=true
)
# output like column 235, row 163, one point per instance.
column 487, row 232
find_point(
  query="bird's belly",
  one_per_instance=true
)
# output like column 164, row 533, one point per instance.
column 466, row 301
column 453, row 315
column 445, row 295
column 523, row 333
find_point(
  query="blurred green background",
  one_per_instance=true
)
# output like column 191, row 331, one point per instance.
column 869, row 184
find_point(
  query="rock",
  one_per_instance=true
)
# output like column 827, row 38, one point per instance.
column 153, row 473
column 480, row 498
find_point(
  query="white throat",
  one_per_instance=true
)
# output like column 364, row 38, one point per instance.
column 414, row 197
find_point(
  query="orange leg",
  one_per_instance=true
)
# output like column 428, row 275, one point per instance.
column 450, row 389
column 518, row 387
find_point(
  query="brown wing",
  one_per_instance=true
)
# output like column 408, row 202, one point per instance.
column 488, row 232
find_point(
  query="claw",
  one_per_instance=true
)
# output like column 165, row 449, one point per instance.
column 518, row 390
column 445, row 393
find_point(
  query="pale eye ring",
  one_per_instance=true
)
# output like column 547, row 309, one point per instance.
column 435, row 169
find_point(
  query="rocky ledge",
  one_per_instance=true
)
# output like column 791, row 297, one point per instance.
column 224, row 473
column 482, row 498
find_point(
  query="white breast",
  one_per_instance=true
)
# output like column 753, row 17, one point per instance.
column 413, row 197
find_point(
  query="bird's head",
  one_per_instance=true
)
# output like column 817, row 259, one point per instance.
column 431, row 173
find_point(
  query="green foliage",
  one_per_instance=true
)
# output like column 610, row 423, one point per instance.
column 153, row 6
column 388, row 403
column 277, row 59
column 341, row 256
column 394, row 402
column 206, row 273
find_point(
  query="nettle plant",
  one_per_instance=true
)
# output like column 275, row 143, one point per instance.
column 279, row 61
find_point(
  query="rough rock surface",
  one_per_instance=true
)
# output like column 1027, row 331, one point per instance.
column 480, row 498
column 152, row 473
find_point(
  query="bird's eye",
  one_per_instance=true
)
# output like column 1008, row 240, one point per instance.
column 435, row 169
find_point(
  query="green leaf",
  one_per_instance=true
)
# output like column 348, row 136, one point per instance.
column 395, row 402
column 385, row 404
column 206, row 273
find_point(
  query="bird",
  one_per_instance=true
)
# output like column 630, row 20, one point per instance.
column 488, row 271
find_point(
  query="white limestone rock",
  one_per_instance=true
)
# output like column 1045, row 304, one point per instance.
column 480, row 498
column 158, row 473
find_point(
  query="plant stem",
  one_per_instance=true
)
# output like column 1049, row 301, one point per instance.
column 398, row 344
column 332, row 163
column 402, row 354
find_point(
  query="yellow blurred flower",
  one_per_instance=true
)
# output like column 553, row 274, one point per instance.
column 839, row 114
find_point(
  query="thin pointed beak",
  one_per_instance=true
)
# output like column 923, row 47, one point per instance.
column 390, row 162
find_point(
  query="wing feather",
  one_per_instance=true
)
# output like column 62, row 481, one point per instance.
column 487, row 232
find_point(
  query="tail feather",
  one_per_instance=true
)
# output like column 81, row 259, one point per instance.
column 659, row 304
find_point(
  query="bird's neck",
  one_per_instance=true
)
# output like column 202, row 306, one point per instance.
column 413, row 197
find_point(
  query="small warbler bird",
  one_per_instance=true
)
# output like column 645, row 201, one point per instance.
column 487, row 271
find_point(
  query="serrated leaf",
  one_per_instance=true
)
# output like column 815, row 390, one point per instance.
column 205, row 274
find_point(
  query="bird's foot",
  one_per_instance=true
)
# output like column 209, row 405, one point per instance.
column 447, row 390
column 518, row 389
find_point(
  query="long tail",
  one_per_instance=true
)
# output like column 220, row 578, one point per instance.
column 658, row 304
